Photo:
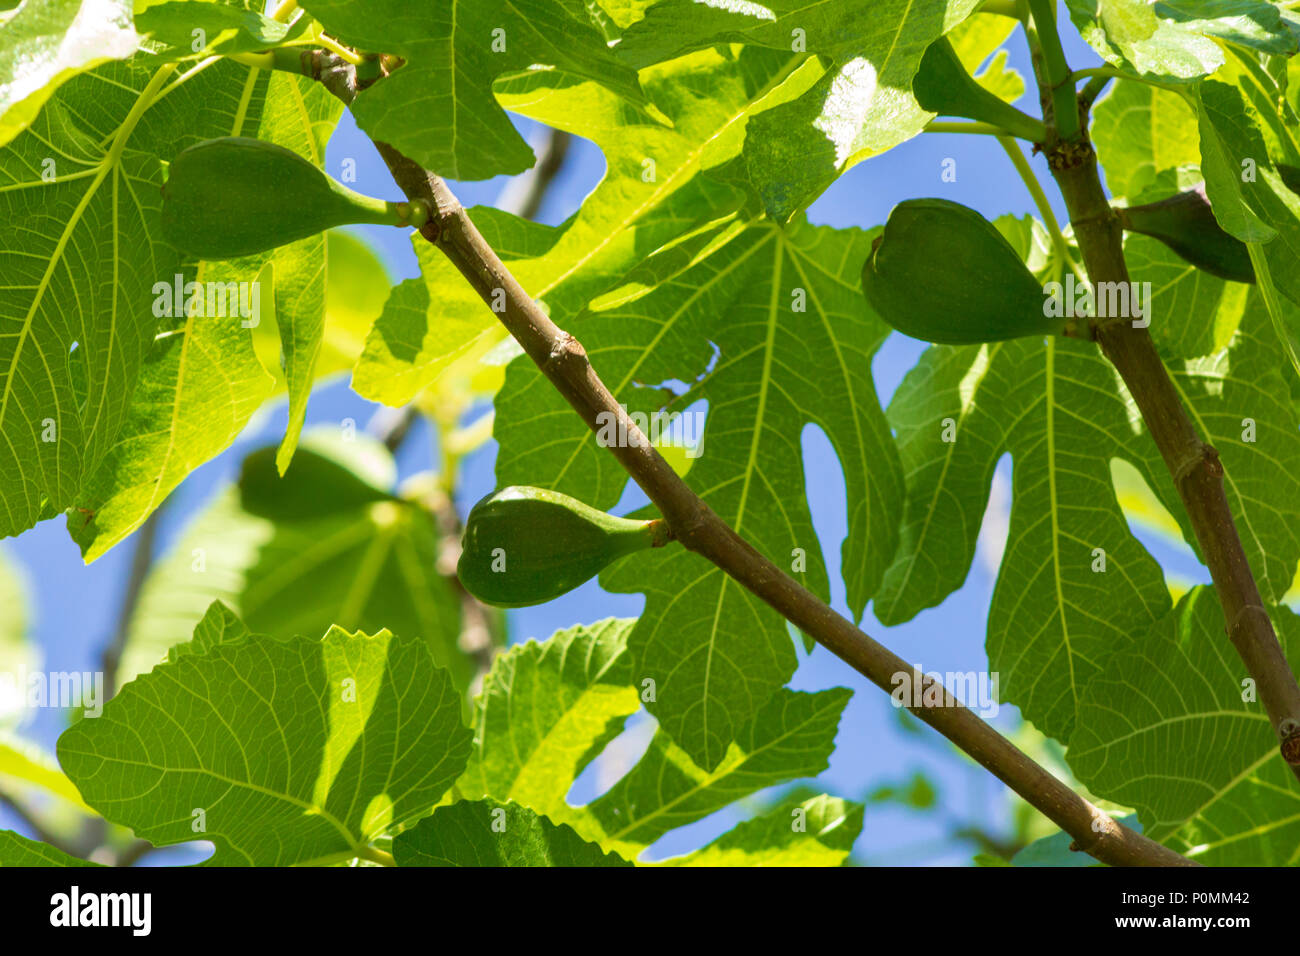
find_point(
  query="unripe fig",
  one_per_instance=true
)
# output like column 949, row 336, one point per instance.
column 943, row 86
column 525, row 546
column 941, row 272
column 235, row 196
column 1186, row 224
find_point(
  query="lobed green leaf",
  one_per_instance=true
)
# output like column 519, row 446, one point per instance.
column 279, row 751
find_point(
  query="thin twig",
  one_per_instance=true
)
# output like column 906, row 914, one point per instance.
column 392, row 425
column 1091, row 90
column 1040, row 200
column 35, row 824
column 523, row 195
column 564, row 362
column 1100, row 73
column 96, row 830
column 141, row 561
column 133, row 852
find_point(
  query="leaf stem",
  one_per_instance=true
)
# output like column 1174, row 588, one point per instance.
column 1091, row 90
column 285, row 58
column 1112, row 73
column 1044, row 207
column 342, row 52
column 563, row 361
column 376, row 855
column 142, row 103
column 1264, row 278
column 981, row 129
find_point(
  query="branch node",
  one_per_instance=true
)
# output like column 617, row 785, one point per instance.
column 1204, row 454
column 565, row 350
column 689, row 526
column 333, row 73
column 447, row 206
column 1212, row 463
column 1105, row 219
column 1239, row 619
column 1069, row 154
column 1289, row 731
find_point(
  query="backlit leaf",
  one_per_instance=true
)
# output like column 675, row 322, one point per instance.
column 294, row 750
column 483, row 834
column 43, row 45
column 76, row 316
column 1176, row 38
column 1170, row 708
column 327, row 543
column 777, row 305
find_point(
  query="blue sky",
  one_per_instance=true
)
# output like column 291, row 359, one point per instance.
column 74, row 607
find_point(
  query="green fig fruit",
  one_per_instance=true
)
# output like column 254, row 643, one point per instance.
column 943, row 86
column 526, row 546
column 1186, row 224
column 235, row 196
column 941, row 272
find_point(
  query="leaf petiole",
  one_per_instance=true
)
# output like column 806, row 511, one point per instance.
column 1044, row 207
column 375, row 855
column 339, row 50
column 1264, row 279
column 285, row 58
column 1112, row 73
column 982, row 129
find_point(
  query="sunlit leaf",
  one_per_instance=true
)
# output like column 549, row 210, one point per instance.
column 295, row 750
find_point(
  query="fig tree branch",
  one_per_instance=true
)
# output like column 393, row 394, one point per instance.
column 1055, row 78
column 524, row 195
column 564, row 362
column 34, row 823
column 1193, row 463
column 141, row 562
column 482, row 631
column 96, row 831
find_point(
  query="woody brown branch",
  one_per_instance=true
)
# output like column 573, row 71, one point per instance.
column 1193, row 464
column 564, row 362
